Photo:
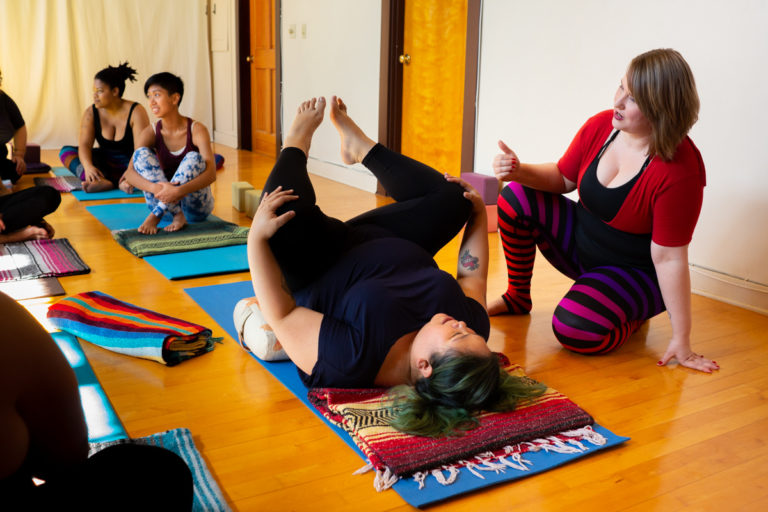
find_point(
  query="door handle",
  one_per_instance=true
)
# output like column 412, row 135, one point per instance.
column 405, row 59
column 249, row 58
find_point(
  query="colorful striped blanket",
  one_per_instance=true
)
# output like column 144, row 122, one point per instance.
column 201, row 235
column 40, row 258
column 549, row 422
column 207, row 494
column 128, row 329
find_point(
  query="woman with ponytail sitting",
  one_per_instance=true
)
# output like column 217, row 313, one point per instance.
column 362, row 303
column 115, row 123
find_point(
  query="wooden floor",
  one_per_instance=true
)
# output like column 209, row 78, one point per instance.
column 699, row 442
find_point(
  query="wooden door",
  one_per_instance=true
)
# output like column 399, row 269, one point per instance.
column 434, row 49
column 263, row 66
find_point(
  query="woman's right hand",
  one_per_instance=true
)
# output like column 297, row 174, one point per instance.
column 266, row 222
column 505, row 164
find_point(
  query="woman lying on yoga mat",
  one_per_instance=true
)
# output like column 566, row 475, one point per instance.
column 113, row 122
column 362, row 303
column 174, row 164
column 640, row 180
column 44, row 436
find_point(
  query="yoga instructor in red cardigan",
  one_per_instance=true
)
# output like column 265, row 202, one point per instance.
column 362, row 303
column 640, row 180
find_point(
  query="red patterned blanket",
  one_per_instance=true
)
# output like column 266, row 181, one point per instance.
column 550, row 422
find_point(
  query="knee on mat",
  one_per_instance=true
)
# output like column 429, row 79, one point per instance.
column 578, row 334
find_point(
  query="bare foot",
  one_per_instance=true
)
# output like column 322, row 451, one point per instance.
column 355, row 144
column 179, row 221
column 149, row 226
column 24, row 234
column 309, row 115
column 97, row 186
column 48, row 228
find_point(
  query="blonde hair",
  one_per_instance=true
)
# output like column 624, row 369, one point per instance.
column 663, row 87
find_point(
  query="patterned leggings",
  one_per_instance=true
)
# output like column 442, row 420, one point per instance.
column 196, row 205
column 604, row 306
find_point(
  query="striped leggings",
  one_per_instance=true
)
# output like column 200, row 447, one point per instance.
column 604, row 306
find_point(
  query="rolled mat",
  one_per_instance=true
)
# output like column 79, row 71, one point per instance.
column 121, row 327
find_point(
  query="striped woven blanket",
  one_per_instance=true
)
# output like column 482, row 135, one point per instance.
column 207, row 494
column 131, row 330
column 549, row 422
column 60, row 183
column 39, row 258
column 201, row 235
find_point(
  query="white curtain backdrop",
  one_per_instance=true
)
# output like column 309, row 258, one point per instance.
column 51, row 49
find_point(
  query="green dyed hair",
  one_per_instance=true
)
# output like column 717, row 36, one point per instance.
column 460, row 386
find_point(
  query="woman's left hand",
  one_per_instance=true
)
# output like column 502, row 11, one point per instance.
column 266, row 222
column 470, row 193
column 687, row 357
column 168, row 193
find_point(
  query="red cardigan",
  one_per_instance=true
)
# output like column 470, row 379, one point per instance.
column 665, row 201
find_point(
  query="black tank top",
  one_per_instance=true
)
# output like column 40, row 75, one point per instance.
column 124, row 145
column 599, row 244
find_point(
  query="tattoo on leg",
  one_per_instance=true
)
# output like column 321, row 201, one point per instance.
column 468, row 261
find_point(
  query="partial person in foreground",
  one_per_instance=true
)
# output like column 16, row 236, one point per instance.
column 640, row 181
column 45, row 437
column 174, row 164
column 112, row 121
column 362, row 303
column 12, row 128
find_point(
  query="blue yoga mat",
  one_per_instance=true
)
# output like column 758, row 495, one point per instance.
column 179, row 265
column 115, row 193
column 100, row 417
column 81, row 195
column 219, row 302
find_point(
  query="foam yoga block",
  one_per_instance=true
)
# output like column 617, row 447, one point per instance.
column 486, row 186
column 239, row 188
column 32, row 155
column 493, row 217
column 252, row 198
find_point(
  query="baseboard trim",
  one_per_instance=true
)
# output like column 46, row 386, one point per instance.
column 729, row 289
column 226, row 139
column 352, row 176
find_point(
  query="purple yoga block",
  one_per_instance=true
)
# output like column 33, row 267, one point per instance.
column 32, row 155
column 486, row 186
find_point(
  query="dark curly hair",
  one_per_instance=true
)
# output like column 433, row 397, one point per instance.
column 116, row 76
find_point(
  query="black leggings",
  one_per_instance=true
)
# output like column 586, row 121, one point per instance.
column 430, row 211
column 28, row 207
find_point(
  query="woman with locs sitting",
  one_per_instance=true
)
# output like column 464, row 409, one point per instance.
column 362, row 303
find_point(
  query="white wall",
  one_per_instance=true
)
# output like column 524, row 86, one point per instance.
column 222, row 15
column 546, row 66
column 51, row 49
column 339, row 55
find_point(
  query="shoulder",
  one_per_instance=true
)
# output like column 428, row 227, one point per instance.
column 199, row 131
column 687, row 165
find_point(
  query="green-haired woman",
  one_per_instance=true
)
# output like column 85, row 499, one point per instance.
column 362, row 303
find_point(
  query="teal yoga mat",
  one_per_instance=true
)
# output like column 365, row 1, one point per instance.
column 100, row 417
column 81, row 195
column 219, row 302
column 180, row 265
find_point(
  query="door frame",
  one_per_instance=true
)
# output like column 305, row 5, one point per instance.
column 244, row 67
column 391, row 79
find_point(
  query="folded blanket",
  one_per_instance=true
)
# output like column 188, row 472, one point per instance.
column 39, row 258
column 207, row 494
column 201, row 235
column 549, row 422
column 60, row 183
column 128, row 329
